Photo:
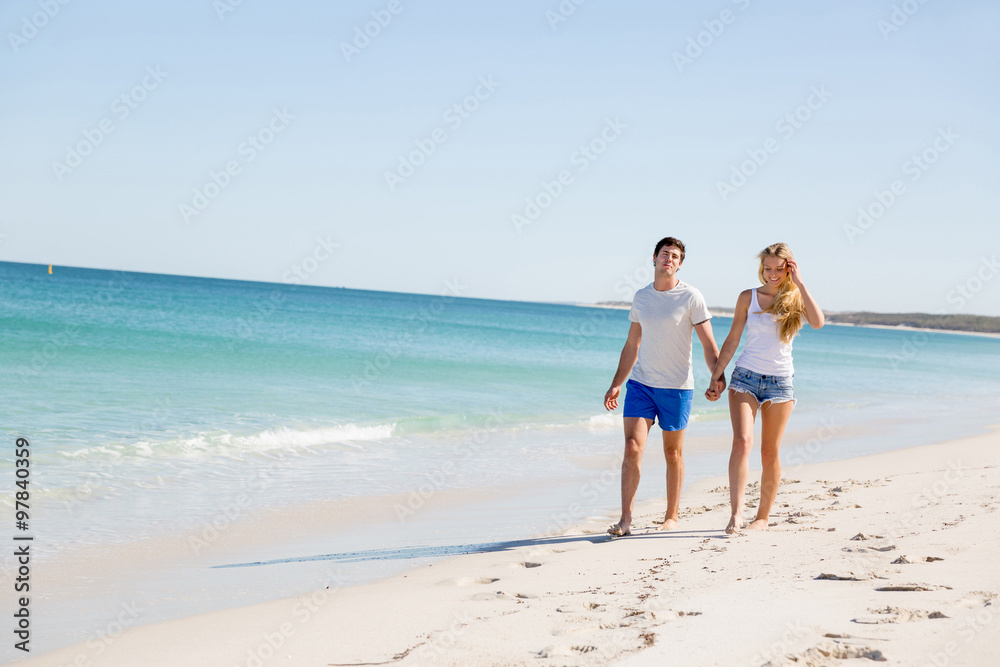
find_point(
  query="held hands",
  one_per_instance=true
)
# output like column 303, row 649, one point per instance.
column 611, row 398
column 716, row 387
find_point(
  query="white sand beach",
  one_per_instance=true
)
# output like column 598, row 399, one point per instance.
column 890, row 557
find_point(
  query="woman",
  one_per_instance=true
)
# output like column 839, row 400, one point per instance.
column 762, row 378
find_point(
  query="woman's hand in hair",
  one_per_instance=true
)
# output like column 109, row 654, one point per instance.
column 794, row 272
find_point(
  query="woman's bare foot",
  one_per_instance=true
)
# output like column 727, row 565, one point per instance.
column 668, row 524
column 758, row 524
column 736, row 522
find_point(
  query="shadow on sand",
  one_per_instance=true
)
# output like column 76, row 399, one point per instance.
column 408, row 553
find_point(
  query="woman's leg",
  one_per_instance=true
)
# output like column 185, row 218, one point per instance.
column 774, row 418
column 742, row 411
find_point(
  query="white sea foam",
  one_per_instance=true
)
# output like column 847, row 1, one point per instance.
column 227, row 444
column 287, row 437
column 604, row 422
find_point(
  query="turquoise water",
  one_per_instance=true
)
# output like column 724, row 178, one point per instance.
column 150, row 400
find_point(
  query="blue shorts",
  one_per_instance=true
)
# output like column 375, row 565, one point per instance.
column 670, row 407
column 774, row 388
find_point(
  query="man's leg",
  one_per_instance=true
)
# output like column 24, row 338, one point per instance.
column 636, row 431
column 673, row 450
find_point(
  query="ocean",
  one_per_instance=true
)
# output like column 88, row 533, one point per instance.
column 163, row 405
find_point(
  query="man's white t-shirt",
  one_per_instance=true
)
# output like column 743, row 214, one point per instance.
column 667, row 320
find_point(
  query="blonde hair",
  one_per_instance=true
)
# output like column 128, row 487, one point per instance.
column 787, row 304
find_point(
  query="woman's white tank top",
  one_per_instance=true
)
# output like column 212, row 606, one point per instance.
column 764, row 353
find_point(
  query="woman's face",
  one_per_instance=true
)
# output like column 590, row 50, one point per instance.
column 775, row 270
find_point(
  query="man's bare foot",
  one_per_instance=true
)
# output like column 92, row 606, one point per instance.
column 736, row 522
column 758, row 524
column 620, row 529
column 668, row 524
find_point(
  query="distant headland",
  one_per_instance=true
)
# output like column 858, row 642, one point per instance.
column 982, row 324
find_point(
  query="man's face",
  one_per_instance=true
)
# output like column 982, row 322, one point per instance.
column 668, row 260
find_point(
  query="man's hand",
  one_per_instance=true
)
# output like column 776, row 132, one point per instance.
column 611, row 398
column 715, row 388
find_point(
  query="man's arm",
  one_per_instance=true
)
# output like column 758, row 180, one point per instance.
column 711, row 350
column 707, row 338
column 625, row 363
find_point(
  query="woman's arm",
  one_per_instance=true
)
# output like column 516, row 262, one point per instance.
column 733, row 339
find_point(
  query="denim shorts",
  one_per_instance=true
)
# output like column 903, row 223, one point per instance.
column 670, row 407
column 774, row 388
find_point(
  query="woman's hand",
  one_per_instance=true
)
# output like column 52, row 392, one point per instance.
column 795, row 272
column 715, row 388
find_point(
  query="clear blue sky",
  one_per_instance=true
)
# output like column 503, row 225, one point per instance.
column 679, row 128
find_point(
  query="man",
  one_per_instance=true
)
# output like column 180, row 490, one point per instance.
column 662, row 385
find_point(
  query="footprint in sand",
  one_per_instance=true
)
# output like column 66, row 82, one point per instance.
column 912, row 588
column 978, row 599
column 492, row 595
column 565, row 651
column 819, row 656
column 584, row 606
column 528, row 564
column 862, row 536
column 847, row 576
column 579, row 630
column 897, row 615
